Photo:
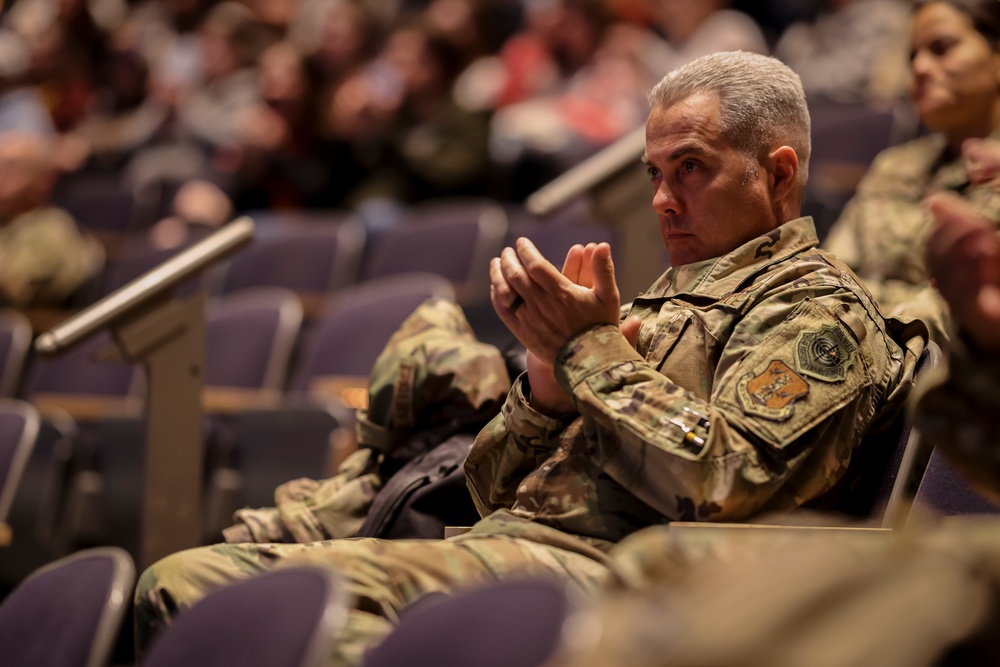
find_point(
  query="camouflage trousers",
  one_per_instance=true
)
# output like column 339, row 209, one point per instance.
column 384, row 576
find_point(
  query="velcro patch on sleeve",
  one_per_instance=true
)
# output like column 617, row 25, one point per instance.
column 825, row 353
column 772, row 393
column 804, row 370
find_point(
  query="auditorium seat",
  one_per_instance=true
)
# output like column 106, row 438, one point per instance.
column 249, row 337
column 311, row 255
column 512, row 623
column 68, row 613
column 284, row 618
column 945, row 491
column 34, row 514
column 453, row 238
column 19, row 425
column 356, row 325
column 15, row 339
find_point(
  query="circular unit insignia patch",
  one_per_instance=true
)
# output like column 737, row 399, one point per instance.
column 825, row 353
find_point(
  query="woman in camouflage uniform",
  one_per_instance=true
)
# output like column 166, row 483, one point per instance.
column 955, row 61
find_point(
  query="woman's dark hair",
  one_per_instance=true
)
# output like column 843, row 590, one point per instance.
column 985, row 16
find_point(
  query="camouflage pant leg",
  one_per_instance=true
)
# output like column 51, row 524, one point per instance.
column 385, row 576
column 176, row 582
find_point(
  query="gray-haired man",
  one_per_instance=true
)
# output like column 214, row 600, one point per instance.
column 740, row 382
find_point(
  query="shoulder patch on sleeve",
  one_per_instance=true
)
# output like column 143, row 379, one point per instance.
column 771, row 394
column 825, row 353
column 801, row 371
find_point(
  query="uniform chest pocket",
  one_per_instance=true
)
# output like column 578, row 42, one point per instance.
column 681, row 349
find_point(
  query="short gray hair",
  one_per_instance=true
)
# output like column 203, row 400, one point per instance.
column 762, row 102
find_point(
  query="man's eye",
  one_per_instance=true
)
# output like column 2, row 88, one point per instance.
column 652, row 172
column 687, row 166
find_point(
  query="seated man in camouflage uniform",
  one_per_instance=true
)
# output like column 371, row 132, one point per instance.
column 740, row 382
column 836, row 598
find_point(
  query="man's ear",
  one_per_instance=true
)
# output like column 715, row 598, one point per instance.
column 783, row 166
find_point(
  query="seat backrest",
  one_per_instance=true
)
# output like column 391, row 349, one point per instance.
column 514, row 623
column 554, row 239
column 359, row 322
column 876, row 483
column 451, row 238
column 67, row 614
column 99, row 204
column 76, row 371
column 308, row 257
column 945, row 491
column 19, row 424
column 15, row 339
column 284, row 618
column 138, row 259
column 249, row 337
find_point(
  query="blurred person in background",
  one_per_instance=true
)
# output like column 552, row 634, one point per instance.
column 199, row 137
column 955, row 63
column 282, row 165
column 348, row 36
column 401, row 134
column 21, row 105
column 44, row 258
column 694, row 29
column 561, row 91
column 69, row 46
column 852, row 53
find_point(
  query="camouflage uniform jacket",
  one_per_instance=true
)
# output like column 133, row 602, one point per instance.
column 756, row 375
column 882, row 232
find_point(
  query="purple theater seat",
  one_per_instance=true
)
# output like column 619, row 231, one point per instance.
column 15, row 337
column 249, row 336
column 515, row 623
column 67, row 614
column 358, row 323
column 312, row 258
column 77, row 372
column 451, row 238
column 285, row 618
column 943, row 489
column 19, row 424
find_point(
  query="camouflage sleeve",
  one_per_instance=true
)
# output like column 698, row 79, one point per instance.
column 516, row 442
column 308, row 510
column 956, row 408
column 793, row 393
column 432, row 371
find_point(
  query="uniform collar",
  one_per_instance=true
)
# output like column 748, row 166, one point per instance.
column 718, row 276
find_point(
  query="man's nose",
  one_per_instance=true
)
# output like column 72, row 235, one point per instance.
column 664, row 201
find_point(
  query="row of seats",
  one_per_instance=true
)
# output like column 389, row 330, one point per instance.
column 86, row 472
column 314, row 253
column 68, row 613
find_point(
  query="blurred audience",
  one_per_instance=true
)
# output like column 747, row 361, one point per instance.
column 400, row 129
column 21, row 105
column 854, row 52
column 44, row 258
column 695, row 29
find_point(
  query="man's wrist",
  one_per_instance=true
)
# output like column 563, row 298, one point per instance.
column 555, row 407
